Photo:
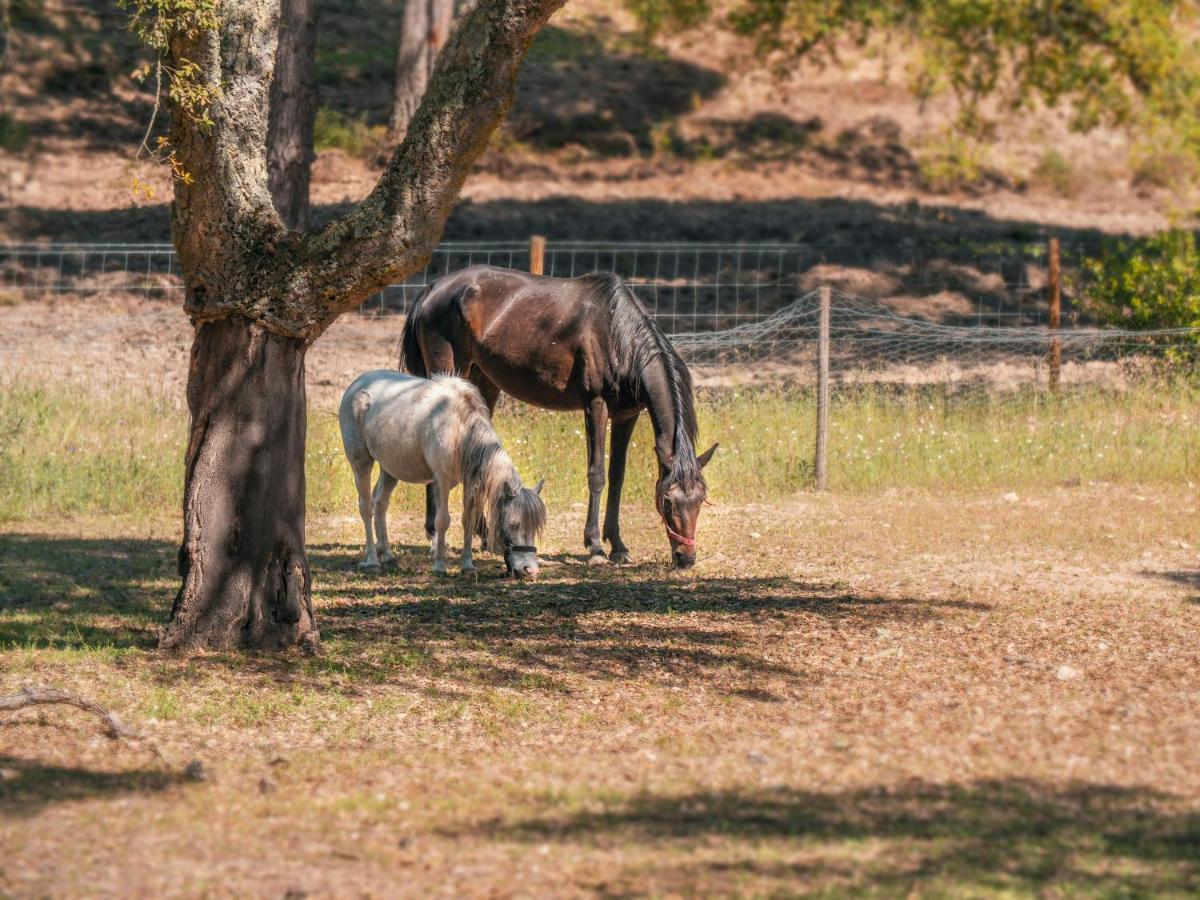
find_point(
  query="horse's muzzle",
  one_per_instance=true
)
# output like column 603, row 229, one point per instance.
column 684, row 560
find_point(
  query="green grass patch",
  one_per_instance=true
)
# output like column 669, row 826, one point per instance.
column 65, row 451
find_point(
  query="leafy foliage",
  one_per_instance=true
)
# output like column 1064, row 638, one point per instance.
column 1113, row 61
column 1147, row 284
column 156, row 23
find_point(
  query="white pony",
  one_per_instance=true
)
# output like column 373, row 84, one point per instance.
column 437, row 430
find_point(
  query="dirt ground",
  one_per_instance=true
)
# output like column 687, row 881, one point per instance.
column 876, row 695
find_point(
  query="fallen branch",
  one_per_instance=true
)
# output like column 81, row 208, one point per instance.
column 37, row 696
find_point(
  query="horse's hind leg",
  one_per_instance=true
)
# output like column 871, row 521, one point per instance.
column 362, row 481
column 622, row 431
column 379, row 503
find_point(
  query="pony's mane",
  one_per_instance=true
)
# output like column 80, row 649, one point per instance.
column 487, row 469
column 636, row 341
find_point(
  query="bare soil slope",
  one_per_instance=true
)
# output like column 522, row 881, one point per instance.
column 607, row 140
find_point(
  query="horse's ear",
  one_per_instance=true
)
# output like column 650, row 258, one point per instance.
column 704, row 457
column 538, row 489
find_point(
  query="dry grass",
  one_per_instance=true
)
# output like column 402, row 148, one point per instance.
column 948, row 694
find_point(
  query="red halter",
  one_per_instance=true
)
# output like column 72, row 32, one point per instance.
column 679, row 538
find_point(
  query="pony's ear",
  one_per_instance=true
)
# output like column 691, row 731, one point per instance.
column 538, row 489
column 704, row 457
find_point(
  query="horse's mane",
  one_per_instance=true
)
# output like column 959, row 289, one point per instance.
column 488, row 471
column 636, row 341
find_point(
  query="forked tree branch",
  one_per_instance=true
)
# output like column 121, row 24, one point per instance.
column 237, row 257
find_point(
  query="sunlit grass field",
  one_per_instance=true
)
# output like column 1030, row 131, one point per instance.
column 67, row 450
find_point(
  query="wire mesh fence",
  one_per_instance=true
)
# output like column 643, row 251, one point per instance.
column 950, row 312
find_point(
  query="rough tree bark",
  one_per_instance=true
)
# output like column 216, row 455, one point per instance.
column 293, row 112
column 260, row 294
column 423, row 32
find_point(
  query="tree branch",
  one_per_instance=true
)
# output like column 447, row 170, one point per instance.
column 396, row 228
column 34, row 696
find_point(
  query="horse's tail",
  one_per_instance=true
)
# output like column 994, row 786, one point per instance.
column 411, row 358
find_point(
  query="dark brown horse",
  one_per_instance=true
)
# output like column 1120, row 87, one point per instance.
column 572, row 343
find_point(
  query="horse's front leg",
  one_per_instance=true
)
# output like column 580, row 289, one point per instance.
column 441, row 523
column 622, row 431
column 596, row 420
column 468, row 522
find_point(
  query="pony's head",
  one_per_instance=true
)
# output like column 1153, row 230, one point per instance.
column 679, row 494
column 516, row 518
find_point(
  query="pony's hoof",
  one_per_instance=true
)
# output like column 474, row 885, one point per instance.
column 388, row 562
column 620, row 557
column 597, row 559
column 369, row 568
column 467, row 570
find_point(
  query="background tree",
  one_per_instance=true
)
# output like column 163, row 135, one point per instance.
column 260, row 294
column 1114, row 62
column 293, row 112
column 423, row 32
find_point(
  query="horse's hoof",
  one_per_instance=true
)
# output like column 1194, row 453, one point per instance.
column 369, row 568
column 388, row 562
column 468, row 570
column 440, row 573
column 620, row 557
column 597, row 559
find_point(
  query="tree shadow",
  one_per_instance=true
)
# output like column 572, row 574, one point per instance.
column 576, row 88
column 81, row 593
column 608, row 624
column 1010, row 834
column 411, row 629
column 944, row 263
column 29, row 786
column 1187, row 578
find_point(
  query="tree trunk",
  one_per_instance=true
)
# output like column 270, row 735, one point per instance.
column 293, row 113
column 423, row 31
column 243, row 564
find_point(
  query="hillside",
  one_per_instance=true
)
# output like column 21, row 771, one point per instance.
column 608, row 139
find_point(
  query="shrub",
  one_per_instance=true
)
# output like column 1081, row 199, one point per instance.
column 334, row 131
column 1151, row 283
column 951, row 161
column 1056, row 172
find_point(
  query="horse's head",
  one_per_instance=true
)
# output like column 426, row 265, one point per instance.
column 517, row 518
column 679, row 499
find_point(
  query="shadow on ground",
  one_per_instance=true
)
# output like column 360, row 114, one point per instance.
column 901, row 251
column 29, row 785
column 408, row 628
column 83, row 593
column 999, row 835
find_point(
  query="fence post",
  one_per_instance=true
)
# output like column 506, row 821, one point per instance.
column 822, row 457
column 1055, row 319
column 537, row 254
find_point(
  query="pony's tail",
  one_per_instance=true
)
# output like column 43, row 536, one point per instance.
column 411, row 358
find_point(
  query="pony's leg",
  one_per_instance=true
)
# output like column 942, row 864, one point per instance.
column 469, row 525
column 596, row 419
column 442, row 522
column 379, row 503
column 622, row 431
column 362, row 481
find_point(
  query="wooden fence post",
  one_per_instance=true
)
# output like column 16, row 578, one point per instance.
column 1054, row 284
column 821, row 465
column 537, row 254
